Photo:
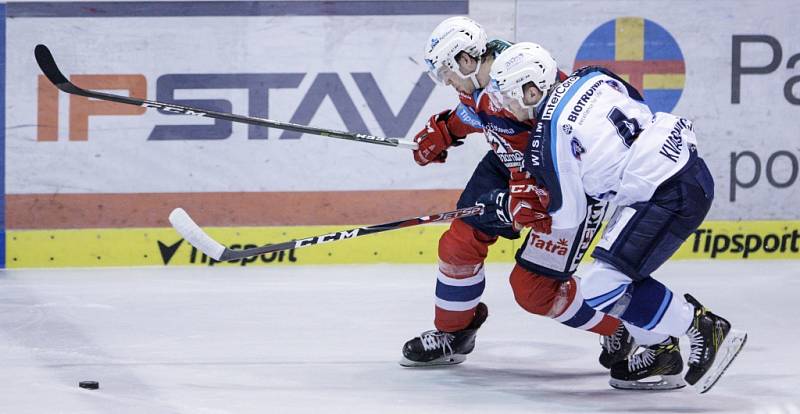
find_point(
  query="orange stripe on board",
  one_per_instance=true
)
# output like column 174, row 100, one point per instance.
column 74, row 211
column 47, row 111
column 81, row 107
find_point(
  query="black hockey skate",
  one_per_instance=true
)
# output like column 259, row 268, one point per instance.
column 443, row 348
column 657, row 367
column 616, row 347
column 714, row 345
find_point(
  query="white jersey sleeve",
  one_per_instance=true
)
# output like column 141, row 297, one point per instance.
column 596, row 137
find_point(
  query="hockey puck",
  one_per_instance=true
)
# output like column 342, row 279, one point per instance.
column 89, row 385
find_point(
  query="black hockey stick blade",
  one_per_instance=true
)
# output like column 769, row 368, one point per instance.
column 50, row 69
column 198, row 238
column 48, row 66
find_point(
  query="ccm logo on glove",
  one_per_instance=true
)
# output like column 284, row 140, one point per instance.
column 528, row 204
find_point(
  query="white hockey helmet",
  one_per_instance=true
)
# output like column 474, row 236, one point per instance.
column 517, row 66
column 451, row 37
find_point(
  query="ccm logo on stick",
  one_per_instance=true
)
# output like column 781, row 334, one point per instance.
column 173, row 109
column 325, row 238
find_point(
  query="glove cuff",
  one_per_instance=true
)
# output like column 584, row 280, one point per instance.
column 450, row 122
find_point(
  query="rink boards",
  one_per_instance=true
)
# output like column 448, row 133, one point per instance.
column 163, row 246
column 90, row 183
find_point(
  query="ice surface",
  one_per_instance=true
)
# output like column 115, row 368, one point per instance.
column 327, row 339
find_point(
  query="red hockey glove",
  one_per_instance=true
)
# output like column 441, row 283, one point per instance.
column 528, row 204
column 434, row 140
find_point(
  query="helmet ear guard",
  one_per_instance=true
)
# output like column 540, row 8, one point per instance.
column 451, row 37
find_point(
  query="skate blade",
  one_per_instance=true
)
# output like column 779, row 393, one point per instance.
column 445, row 360
column 730, row 348
column 666, row 382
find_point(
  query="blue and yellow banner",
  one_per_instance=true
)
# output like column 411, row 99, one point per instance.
column 641, row 52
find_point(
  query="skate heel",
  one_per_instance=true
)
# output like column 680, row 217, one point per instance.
column 730, row 348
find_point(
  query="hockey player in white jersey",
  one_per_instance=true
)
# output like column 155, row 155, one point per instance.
column 596, row 138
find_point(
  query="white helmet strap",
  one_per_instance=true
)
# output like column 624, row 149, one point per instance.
column 472, row 76
column 531, row 109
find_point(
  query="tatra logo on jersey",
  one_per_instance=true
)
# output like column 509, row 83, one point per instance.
column 558, row 254
column 560, row 247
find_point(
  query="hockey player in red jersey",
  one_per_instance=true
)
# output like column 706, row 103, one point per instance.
column 459, row 55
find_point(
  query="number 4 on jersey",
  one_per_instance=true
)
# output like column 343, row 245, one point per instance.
column 627, row 128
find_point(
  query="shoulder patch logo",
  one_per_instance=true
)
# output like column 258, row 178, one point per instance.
column 577, row 148
column 615, row 85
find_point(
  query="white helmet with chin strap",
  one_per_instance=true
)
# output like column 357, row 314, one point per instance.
column 451, row 37
column 520, row 64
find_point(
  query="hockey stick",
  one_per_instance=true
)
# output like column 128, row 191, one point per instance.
column 48, row 66
column 198, row 238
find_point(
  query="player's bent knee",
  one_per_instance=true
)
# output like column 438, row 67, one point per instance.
column 462, row 244
column 535, row 293
column 602, row 283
